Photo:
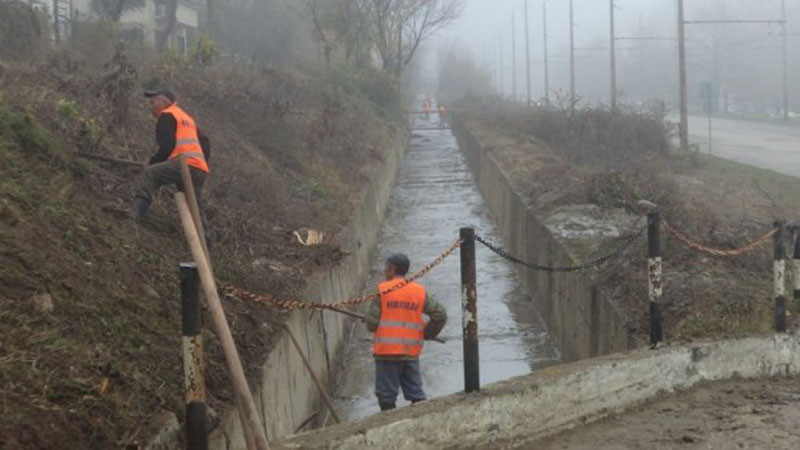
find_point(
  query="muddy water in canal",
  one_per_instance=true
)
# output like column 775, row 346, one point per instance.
column 434, row 195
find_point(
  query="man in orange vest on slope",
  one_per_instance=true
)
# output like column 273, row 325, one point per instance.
column 396, row 319
column 176, row 134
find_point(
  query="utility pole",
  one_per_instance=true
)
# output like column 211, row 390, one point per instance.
column 527, row 54
column 571, row 58
column 501, row 71
column 56, row 24
column 210, row 18
column 546, row 70
column 613, row 59
column 785, row 64
column 684, row 126
column 513, row 56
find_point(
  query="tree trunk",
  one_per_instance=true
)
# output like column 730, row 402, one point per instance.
column 163, row 38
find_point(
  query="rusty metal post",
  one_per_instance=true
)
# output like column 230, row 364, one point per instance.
column 469, row 311
column 655, row 286
column 779, row 269
column 196, row 419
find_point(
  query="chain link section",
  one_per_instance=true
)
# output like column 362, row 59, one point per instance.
column 694, row 245
column 625, row 243
column 303, row 305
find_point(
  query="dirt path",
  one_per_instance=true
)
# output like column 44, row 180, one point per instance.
column 752, row 414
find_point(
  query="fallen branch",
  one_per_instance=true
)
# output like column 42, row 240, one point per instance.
column 108, row 159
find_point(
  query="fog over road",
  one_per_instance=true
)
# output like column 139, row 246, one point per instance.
column 765, row 145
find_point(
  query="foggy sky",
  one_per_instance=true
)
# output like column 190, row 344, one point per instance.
column 486, row 24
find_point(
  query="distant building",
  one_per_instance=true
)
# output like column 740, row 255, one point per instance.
column 141, row 21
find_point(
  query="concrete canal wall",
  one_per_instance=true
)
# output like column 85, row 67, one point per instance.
column 286, row 395
column 583, row 323
column 557, row 398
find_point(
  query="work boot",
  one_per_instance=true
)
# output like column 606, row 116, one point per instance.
column 139, row 207
column 386, row 406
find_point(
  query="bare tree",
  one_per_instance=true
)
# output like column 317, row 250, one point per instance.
column 423, row 19
column 320, row 30
column 163, row 37
column 110, row 9
column 402, row 25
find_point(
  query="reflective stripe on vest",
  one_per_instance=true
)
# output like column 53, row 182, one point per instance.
column 399, row 341
column 412, row 325
column 401, row 328
column 187, row 142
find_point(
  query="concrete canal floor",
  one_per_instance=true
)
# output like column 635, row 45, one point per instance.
column 433, row 197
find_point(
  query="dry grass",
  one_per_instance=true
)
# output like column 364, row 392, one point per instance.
column 615, row 161
column 93, row 370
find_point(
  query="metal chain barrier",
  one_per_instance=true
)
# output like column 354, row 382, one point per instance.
column 694, row 245
column 299, row 304
column 625, row 243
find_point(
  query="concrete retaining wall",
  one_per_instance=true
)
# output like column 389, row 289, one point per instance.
column 559, row 397
column 286, row 395
column 582, row 323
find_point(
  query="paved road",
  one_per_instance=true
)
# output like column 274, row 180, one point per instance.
column 769, row 146
column 433, row 196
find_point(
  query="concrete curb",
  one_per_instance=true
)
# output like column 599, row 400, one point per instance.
column 559, row 397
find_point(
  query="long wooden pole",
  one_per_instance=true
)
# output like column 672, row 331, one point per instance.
column 325, row 397
column 194, row 207
column 251, row 423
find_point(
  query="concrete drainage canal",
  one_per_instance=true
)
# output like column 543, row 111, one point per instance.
column 433, row 197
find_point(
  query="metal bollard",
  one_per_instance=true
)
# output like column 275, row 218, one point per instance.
column 469, row 311
column 779, row 269
column 196, row 419
column 655, row 286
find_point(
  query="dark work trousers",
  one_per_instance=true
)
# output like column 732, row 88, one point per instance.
column 390, row 376
column 168, row 172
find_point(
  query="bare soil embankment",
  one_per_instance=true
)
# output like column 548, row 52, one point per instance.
column 89, row 310
column 583, row 174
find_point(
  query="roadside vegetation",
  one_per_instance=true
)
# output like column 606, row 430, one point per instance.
column 589, row 156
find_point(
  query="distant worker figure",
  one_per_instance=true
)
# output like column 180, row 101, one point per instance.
column 426, row 107
column 176, row 134
column 396, row 319
column 442, row 116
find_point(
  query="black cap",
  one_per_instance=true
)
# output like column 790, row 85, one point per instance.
column 400, row 263
column 166, row 92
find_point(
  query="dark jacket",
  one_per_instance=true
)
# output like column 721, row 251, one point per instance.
column 165, row 138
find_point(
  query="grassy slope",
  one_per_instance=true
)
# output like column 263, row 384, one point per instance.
column 289, row 151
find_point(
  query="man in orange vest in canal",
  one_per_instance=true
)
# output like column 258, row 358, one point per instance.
column 176, row 134
column 396, row 319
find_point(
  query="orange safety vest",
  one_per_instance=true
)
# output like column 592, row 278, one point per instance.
column 401, row 328
column 186, row 141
